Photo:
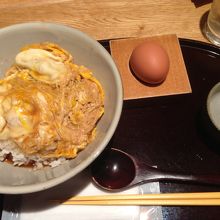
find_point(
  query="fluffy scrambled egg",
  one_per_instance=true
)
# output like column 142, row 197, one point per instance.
column 49, row 106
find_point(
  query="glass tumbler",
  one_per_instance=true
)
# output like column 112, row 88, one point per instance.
column 212, row 27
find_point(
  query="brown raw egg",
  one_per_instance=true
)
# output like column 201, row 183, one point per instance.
column 150, row 62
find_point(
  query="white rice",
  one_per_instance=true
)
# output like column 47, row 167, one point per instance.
column 19, row 159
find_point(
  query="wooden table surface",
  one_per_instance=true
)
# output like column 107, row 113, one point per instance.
column 105, row 19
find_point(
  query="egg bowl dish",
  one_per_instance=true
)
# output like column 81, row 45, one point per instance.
column 60, row 102
column 49, row 107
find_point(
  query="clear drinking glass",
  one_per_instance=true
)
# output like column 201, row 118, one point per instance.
column 212, row 28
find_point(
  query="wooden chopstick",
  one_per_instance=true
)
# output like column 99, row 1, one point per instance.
column 158, row 202
column 166, row 199
column 203, row 195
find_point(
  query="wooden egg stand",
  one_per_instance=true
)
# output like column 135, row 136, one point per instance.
column 177, row 81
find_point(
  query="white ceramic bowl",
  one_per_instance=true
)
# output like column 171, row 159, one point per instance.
column 86, row 51
column 213, row 106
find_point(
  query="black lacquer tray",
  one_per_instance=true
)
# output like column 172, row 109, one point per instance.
column 173, row 131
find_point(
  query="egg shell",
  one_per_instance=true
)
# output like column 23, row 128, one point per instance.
column 150, row 62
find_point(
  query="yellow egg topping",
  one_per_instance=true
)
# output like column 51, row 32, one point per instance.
column 49, row 106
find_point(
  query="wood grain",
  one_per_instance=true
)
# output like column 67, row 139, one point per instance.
column 105, row 19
